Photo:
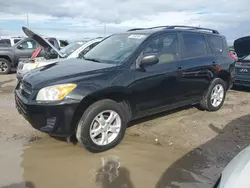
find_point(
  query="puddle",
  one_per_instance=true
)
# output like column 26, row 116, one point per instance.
column 51, row 163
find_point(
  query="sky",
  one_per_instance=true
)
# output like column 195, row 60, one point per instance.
column 78, row 19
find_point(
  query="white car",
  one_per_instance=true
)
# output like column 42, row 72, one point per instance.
column 237, row 172
column 73, row 50
column 10, row 40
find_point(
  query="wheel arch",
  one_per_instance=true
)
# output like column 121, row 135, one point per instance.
column 225, row 76
column 7, row 58
column 119, row 94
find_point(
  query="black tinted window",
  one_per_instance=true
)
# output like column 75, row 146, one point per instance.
column 165, row 47
column 216, row 44
column 194, row 45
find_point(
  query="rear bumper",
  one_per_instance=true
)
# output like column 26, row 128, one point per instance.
column 54, row 120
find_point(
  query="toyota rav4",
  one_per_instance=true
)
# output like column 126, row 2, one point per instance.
column 127, row 76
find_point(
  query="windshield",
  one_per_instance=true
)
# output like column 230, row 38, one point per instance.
column 69, row 49
column 247, row 58
column 116, row 48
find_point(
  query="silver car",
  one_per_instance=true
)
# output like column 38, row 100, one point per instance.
column 72, row 50
column 237, row 172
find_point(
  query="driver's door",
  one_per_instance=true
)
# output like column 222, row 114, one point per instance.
column 25, row 49
column 155, row 87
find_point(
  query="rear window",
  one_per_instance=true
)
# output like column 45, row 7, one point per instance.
column 216, row 44
column 194, row 45
column 5, row 41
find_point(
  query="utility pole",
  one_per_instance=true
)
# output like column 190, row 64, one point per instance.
column 28, row 21
column 105, row 29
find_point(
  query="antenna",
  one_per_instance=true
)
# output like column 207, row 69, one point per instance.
column 28, row 21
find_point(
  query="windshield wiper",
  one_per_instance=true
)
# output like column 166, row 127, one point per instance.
column 92, row 59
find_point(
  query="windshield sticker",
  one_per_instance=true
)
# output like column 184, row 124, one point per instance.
column 136, row 36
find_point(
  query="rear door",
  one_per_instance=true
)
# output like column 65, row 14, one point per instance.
column 195, row 68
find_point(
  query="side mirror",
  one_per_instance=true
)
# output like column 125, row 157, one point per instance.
column 20, row 47
column 148, row 60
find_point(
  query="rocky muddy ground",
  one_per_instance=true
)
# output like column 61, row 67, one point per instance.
column 181, row 148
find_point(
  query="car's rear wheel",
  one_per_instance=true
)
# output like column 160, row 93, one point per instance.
column 102, row 126
column 215, row 96
column 5, row 66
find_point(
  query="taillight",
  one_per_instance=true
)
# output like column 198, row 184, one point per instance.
column 233, row 56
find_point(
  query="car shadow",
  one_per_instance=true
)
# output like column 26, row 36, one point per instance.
column 202, row 166
column 241, row 88
column 111, row 175
column 26, row 184
column 159, row 115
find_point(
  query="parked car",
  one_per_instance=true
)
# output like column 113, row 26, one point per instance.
column 22, row 50
column 127, row 76
column 236, row 173
column 73, row 50
column 242, row 48
column 10, row 40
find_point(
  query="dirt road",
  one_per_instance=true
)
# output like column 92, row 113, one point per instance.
column 181, row 148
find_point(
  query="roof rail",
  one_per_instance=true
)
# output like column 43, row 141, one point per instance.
column 134, row 29
column 177, row 26
column 192, row 28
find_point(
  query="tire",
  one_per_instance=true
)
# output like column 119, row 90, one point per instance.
column 206, row 102
column 88, row 118
column 5, row 66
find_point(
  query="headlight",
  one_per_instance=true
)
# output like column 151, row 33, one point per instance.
column 55, row 92
column 30, row 66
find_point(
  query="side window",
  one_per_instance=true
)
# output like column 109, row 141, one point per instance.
column 28, row 44
column 216, row 44
column 194, row 45
column 165, row 47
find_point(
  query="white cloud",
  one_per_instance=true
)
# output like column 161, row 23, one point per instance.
column 79, row 18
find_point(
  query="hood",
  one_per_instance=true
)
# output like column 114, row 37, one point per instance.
column 236, row 173
column 242, row 46
column 68, row 70
column 41, row 41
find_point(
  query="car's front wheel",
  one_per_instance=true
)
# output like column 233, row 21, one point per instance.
column 102, row 126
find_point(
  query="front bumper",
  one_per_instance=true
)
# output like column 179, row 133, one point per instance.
column 242, row 80
column 55, row 120
column 20, row 72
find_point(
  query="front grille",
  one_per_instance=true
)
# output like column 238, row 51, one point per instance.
column 21, row 106
column 243, row 71
column 25, row 89
column 20, row 66
column 242, row 82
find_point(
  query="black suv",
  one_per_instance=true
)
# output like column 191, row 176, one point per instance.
column 127, row 76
